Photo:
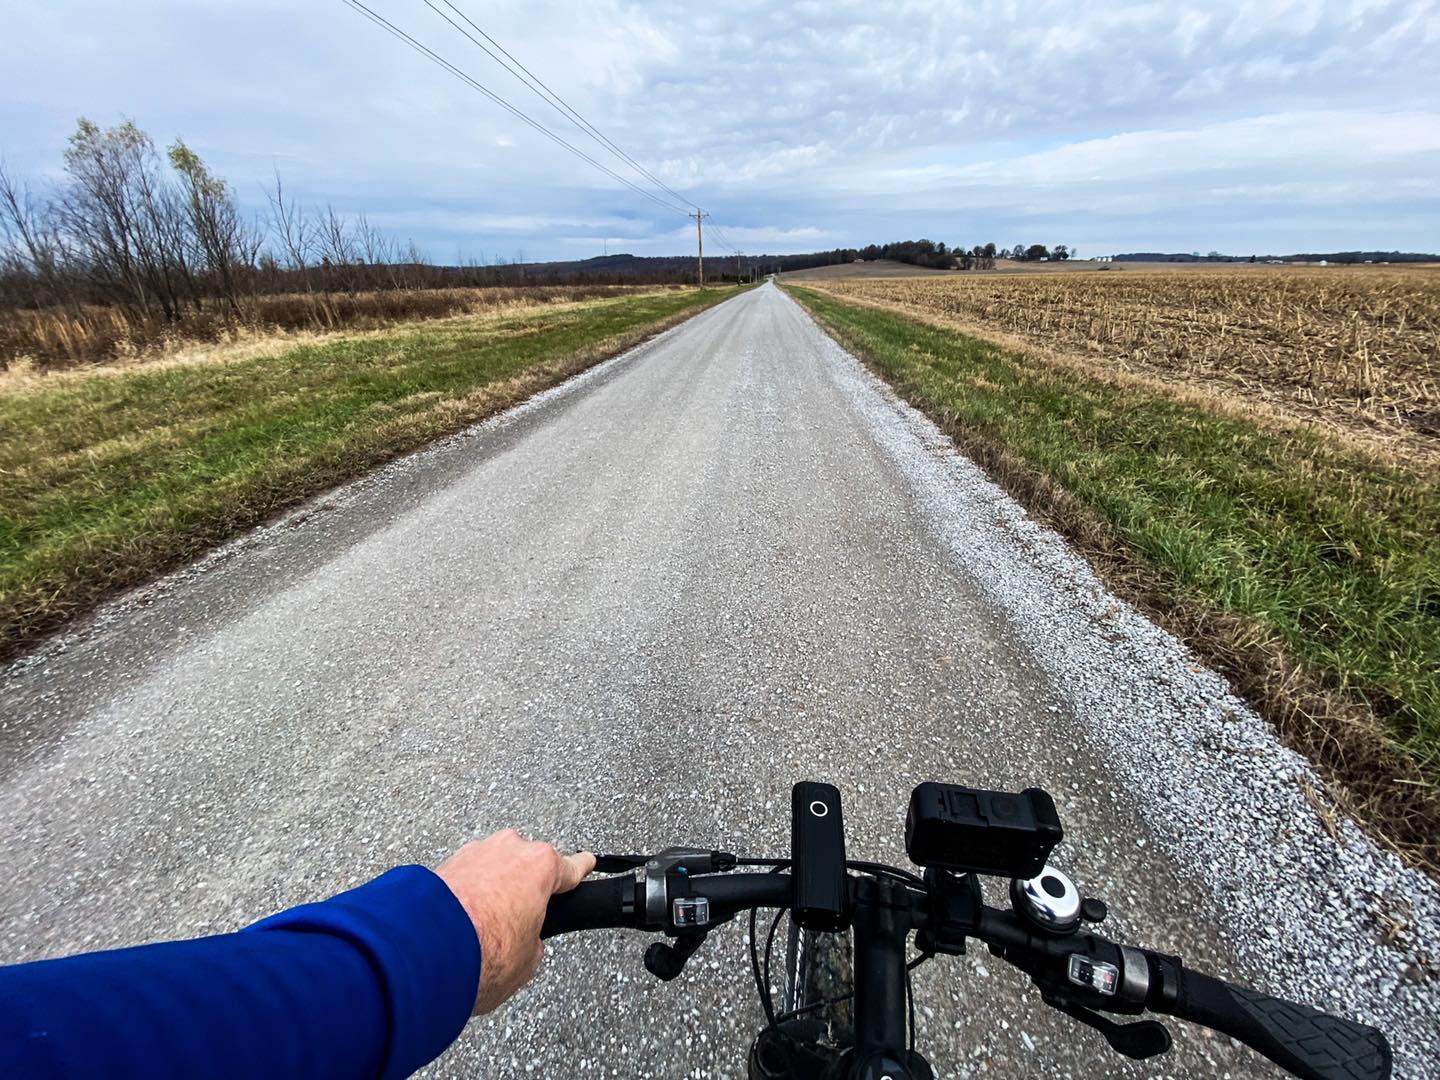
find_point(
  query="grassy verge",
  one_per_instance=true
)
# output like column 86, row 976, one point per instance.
column 1308, row 573
column 110, row 476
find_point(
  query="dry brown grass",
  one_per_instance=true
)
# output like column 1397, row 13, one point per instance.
column 59, row 337
column 1355, row 348
column 241, row 344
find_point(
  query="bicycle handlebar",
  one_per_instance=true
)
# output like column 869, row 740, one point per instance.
column 618, row 903
column 1310, row 1044
column 594, row 905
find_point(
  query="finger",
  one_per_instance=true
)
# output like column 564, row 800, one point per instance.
column 573, row 870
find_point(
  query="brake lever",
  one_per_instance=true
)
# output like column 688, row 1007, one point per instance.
column 702, row 861
column 666, row 962
column 1139, row 1040
column 618, row 864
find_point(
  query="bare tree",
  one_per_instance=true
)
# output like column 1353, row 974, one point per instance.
column 338, row 250
column 292, row 232
column 220, row 237
column 32, row 258
column 126, row 225
column 378, row 254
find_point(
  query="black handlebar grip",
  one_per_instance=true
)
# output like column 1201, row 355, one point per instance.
column 592, row 905
column 1307, row 1043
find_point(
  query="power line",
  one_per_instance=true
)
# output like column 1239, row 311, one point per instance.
column 426, row 51
column 724, row 240
column 538, row 87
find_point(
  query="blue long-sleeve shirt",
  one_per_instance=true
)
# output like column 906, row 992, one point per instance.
column 374, row 982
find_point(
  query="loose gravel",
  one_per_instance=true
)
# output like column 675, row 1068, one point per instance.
column 630, row 615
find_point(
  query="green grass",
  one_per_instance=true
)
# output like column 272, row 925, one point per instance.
column 108, row 477
column 1334, row 556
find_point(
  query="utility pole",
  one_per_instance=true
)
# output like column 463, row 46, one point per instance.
column 699, row 216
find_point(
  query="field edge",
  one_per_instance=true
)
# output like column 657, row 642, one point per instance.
column 1388, row 794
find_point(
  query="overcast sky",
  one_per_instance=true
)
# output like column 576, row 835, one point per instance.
column 1261, row 125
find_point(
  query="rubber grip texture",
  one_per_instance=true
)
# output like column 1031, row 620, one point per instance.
column 1309, row 1044
column 592, row 905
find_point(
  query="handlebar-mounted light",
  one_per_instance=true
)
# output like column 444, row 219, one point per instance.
column 817, row 852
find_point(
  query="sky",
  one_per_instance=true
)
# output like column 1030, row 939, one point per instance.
column 1267, row 126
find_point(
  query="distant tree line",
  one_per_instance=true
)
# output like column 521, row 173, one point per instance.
column 927, row 253
column 1360, row 257
column 808, row 260
column 939, row 256
column 1040, row 253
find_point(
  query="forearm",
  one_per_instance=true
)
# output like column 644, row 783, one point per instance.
column 374, row 982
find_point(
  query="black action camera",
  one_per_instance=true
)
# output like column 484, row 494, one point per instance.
column 984, row 832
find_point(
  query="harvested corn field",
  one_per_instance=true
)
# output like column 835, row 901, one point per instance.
column 1358, row 348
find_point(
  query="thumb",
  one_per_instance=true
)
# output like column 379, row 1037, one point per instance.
column 573, row 870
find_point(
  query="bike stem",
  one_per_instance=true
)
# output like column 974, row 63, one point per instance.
column 881, row 931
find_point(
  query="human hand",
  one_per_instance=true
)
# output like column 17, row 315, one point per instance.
column 504, row 883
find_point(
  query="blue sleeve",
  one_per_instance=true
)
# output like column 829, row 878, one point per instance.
column 372, row 983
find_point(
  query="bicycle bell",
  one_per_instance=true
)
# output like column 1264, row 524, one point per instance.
column 1048, row 901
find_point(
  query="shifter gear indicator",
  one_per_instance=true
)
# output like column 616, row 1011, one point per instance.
column 1094, row 975
column 688, row 912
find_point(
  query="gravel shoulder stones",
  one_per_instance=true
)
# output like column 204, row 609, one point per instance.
column 630, row 614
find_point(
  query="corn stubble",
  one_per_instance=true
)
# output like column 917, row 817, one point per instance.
column 1358, row 341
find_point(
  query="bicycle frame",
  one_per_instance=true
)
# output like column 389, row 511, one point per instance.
column 797, row 1049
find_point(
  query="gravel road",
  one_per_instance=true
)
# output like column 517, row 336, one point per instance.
column 630, row 613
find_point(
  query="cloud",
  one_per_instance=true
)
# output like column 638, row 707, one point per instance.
column 461, row 221
column 775, row 234
column 858, row 119
column 1301, row 144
